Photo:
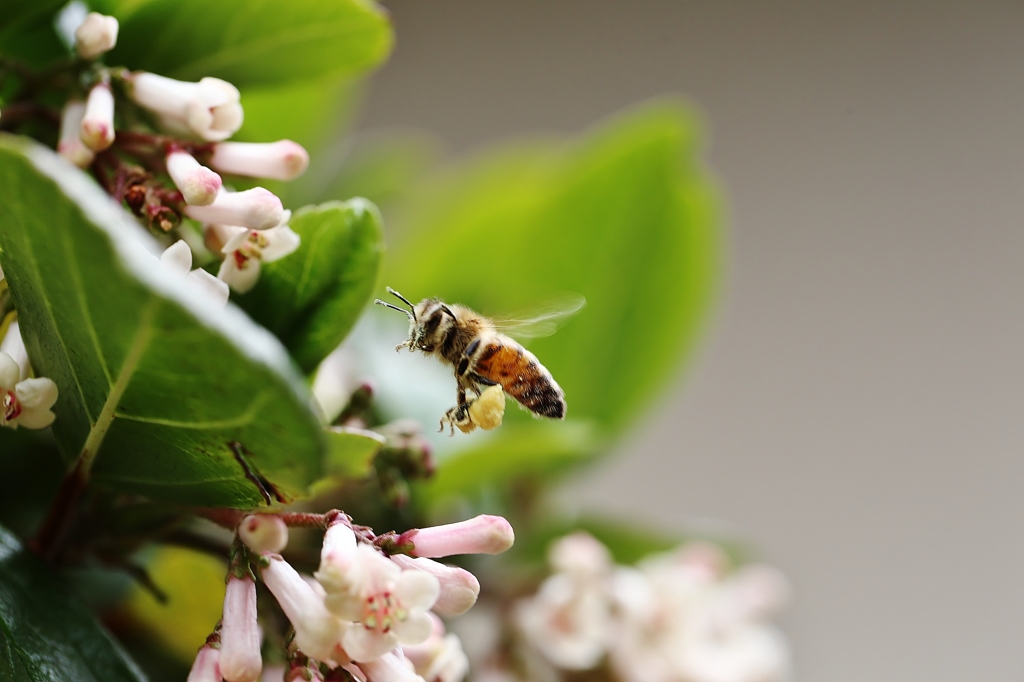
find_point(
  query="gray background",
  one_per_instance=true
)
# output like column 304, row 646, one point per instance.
column 856, row 411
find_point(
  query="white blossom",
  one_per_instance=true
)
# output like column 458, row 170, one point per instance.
column 69, row 143
column 281, row 160
column 440, row 658
column 97, row 129
column 459, row 587
column 178, row 259
column 248, row 249
column 96, row 35
column 388, row 605
column 209, row 109
column 24, row 402
column 389, row 668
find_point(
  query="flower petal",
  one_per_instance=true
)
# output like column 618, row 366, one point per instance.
column 241, row 279
column 417, row 589
column 365, row 645
column 10, row 372
column 36, row 394
column 281, row 243
column 178, row 258
column 415, row 629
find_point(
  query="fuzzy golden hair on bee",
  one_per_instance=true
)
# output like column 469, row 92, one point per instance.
column 482, row 356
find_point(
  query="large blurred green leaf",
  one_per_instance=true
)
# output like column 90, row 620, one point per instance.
column 628, row 217
column 46, row 635
column 27, row 31
column 149, row 372
column 251, row 42
column 516, row 453
column 312, row 298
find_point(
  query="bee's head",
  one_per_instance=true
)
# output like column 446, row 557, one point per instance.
column 429, row 320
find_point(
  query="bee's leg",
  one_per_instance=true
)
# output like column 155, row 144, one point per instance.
column 458, row 416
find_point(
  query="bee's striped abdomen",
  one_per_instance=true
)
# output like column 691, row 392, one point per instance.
column 504, row 361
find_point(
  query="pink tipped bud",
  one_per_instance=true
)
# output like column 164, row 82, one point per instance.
column 198, row 184
column 240, row 659
column 70, row 144
column 206, row 667
column 482, row 534
column 263, row 533
column 281, row 160
column 96, row 35
column 98, row 123
column 317, row 632
column 459, row 587
column 256, row 208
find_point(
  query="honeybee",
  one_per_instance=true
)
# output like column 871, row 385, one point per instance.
column 483, row 356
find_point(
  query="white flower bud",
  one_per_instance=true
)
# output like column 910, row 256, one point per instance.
column 98, row 121
column 459, row 587
column 240, row 659
column 281, row 160
column 198, row 184
column 209, row 109
column 256, row 208
column 69, row 144
column 263, row 533
column 96, row 35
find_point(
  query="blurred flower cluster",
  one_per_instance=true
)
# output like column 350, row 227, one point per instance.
column 682, row 616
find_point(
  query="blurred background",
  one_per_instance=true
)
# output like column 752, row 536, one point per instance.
column 854, row 411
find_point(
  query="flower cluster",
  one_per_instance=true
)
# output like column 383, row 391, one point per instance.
column 191, row 125
column 370, row 610
column 675, row 617
column 24, row 400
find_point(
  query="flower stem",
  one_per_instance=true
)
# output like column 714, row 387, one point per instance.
column 51, row 533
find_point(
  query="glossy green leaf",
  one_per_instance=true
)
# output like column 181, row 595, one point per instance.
column 627, row 217
column 46, row 634
column 27, row 31
column 252, row 42
column 350, row 452
column 169, row 390
column 517, row 452
column 312, row 298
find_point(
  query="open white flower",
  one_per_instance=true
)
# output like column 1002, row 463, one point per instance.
column 388, row 605
column 209, row 109
column 178, row 259
column 24, row 402
column 247, row 249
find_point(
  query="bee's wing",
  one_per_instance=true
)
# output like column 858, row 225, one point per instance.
column 542, row 319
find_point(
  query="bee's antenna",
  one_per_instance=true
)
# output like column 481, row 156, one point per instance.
column 407, row 313
column 399, row 296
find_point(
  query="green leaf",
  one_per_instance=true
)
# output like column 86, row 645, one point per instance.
column 27, row 31
column 628, row 217
column 312, row 298
column 252, row 42
column 46, row 635
column 153, row 377
column 350, row 452
column 517, row 452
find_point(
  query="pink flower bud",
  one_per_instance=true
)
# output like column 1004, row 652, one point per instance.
column 206, row 667
column 459, row 587
column 70, row 144
column 281, row 160
column 98, row 122
column 240, row 659
column 96, row 35
column 198, row 184
column 317, row 631
column 256, row 208
column 263, row 533
column 482, row 534
column 208, row 109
